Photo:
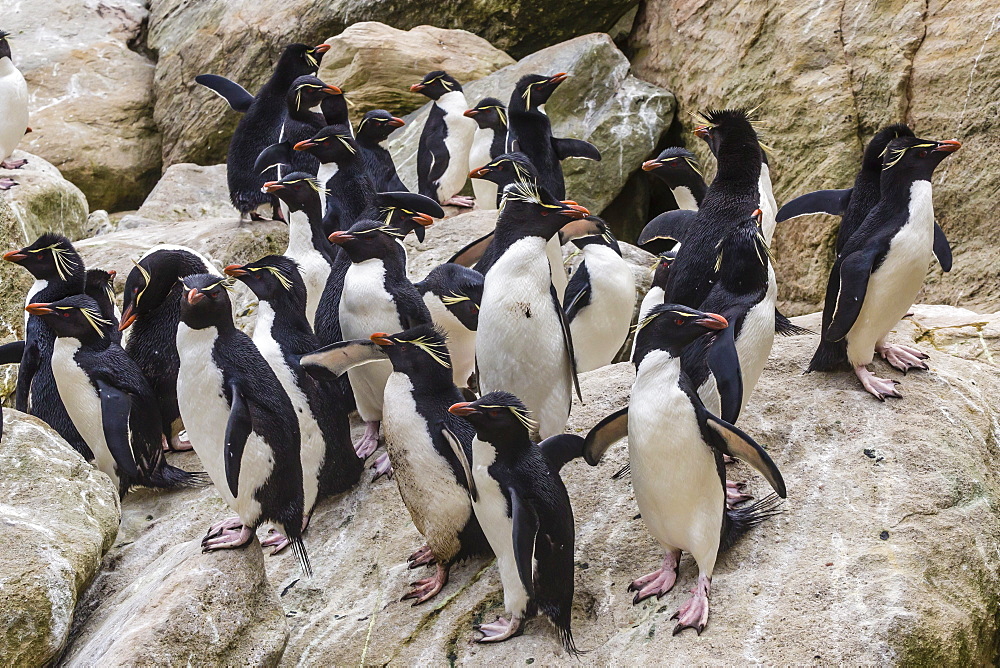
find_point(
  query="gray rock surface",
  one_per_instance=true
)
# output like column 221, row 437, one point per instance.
column 59, row 516
column 16, row 282
column 44, row 201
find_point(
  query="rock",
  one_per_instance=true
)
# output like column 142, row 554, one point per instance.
column 59, row 516
column 375, row 64
column 445, row 238
column 196, row 126
column 826, row 79
column 91, row 95
column 601, row 103
column 16, row 282
column 189, row 192
column 43, row 201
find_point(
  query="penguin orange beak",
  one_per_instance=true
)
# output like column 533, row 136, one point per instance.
column 416, row 88
column 574, row 211
column 701, row 131
column 948, row 146
column 112, row 273
column 331, row 90
column 321, row 48
column 423, row 219
column 14, row 256
column 235, row 270
column 479, row 172
column 340, row 237
column 463, row 409
column 558, row 78
column 757, row 213
column 382, row 339
column 128, row 317
column 304, row 144
column 712, row 321
column 395, row 122
column 194, row 296
column 470, row 113
column 273, row 186
column 650, row 165
column 38, row 309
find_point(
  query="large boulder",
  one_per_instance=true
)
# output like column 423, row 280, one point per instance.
column 826, row 78
column 59, row 516
column 601, row 102
column 43, row 201
column 375, row 64
column 91, row 95
column 192, row 37
column 16, row 282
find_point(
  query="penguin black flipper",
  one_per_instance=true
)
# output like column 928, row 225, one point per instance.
column 664, row 232
column 854, row 272
column 115, row 409
column 604, row 434
column 785, row 327
column 238, row 430
column 337, row 358
column 30, row 362
column 235, row 95
column 833, row 202
column 561, row 449
column 456, row 447
column 12, row 353
column 731, row 441
column 472, row 252
column 577, row 294
column 575, row 148
column 942, row 249
column 273, row 156
column 567, row 340
column 724, row 362
column 525, row 522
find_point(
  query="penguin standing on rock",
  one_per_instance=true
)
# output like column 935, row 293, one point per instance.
column 884, row 262
column 676, row 450
column 531, row 132
column 525, row 512
column 13, row 110
column 452, row 294
column 443, row 152
column 261, row 124
column 375, row 128
column 241, row 422
column 59, row 272
column 489, row 142
column 108, row 398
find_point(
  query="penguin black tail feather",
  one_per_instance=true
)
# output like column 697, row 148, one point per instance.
column 740, row 520
column 830, row 356
column 299, row 550
column 560, row 614
column 784, row 327
column 166, row 476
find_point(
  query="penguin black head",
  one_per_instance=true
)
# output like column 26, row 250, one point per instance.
column 419, row 352
column 505, row 169
column 152, row 278
column 4, row 46
column 205, row 302
column 589, row 230
column 872, row 160
column 301, row 59
column 377, row 125
column 499, row 418
column 437, row 84
column 675, row 166
column 298, row 190
column 730, row 127
column 77, row 316
column 307, row 92
column 529, row 210
column 459, row 288
column 489, row 113
column 534, row 90
column 661, row 270
column 51, row 257
column 331, row 144
column 369, row 239
column 408, row 212
column 100, row 285
column 671, row 327
column 914, row 159
column 271, row 278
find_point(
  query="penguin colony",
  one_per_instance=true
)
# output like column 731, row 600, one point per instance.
column 468, row 375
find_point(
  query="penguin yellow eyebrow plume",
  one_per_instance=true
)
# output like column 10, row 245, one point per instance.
column 60, row 256
column 145, row 277
column 432, row 348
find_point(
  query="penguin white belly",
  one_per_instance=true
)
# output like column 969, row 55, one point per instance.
column 479, row 155
column 313, row 267
column 438, row 504
column 674, row 474
column 460, row 130
column 461, row 341
column 365, row 308
column 205, row 413
column 895, row 284
column 557, row 269
column 768, row 206
column 600, row 329
column 753, row 346
column 14, row 95
column 83, row 403
column 653, row 298
column 492, row 513
column 326, row 171
column 313, row 449
column 684, row 198
column 519, row 344
column 36, row 287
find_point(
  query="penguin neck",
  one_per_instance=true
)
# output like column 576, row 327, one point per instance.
column 452, row 103
column 686, row 197
column 286, row 317
column 6, row 66
column 506, row 447
column 334, row 110
column 739, row 160
column 655, row 358
column 896, row 188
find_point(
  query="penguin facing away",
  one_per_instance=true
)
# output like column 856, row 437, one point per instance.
column 260, row 126
column 13, row 110
column 100, row 286
column 375, row 128
column 240, row 420
column 883, row 264
column 525, row 512
column 678, row 169
column 676, row 450
column 443, row 152
column 108, row 398
column 489, row 142
column 453, row 294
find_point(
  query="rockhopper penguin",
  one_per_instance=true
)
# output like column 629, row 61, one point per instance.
column 375, row 128
column 452, row 294
column 678, row 169
column 443, row 152
column 489, row 142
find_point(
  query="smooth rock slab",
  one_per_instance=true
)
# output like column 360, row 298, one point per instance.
column 58, row 515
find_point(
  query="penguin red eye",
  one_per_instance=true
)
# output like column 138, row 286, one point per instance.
column 922, row 154
column 65, row 315
column 679, row 321
column 495, row 413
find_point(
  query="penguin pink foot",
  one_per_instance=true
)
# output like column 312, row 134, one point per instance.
column 225, row 525
column 368, row 442
column 227, row 534
column 13, row 164
column 178, row 443
column 7, row 184
column 277, row 540
column 382, row 466
column 460, row 200
column 735, row 493
column 428, row 588
column 499, row 630
column 694, row 613
column 880, row 388
column 659, row 582
column 422, row 557
column 903, row 358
